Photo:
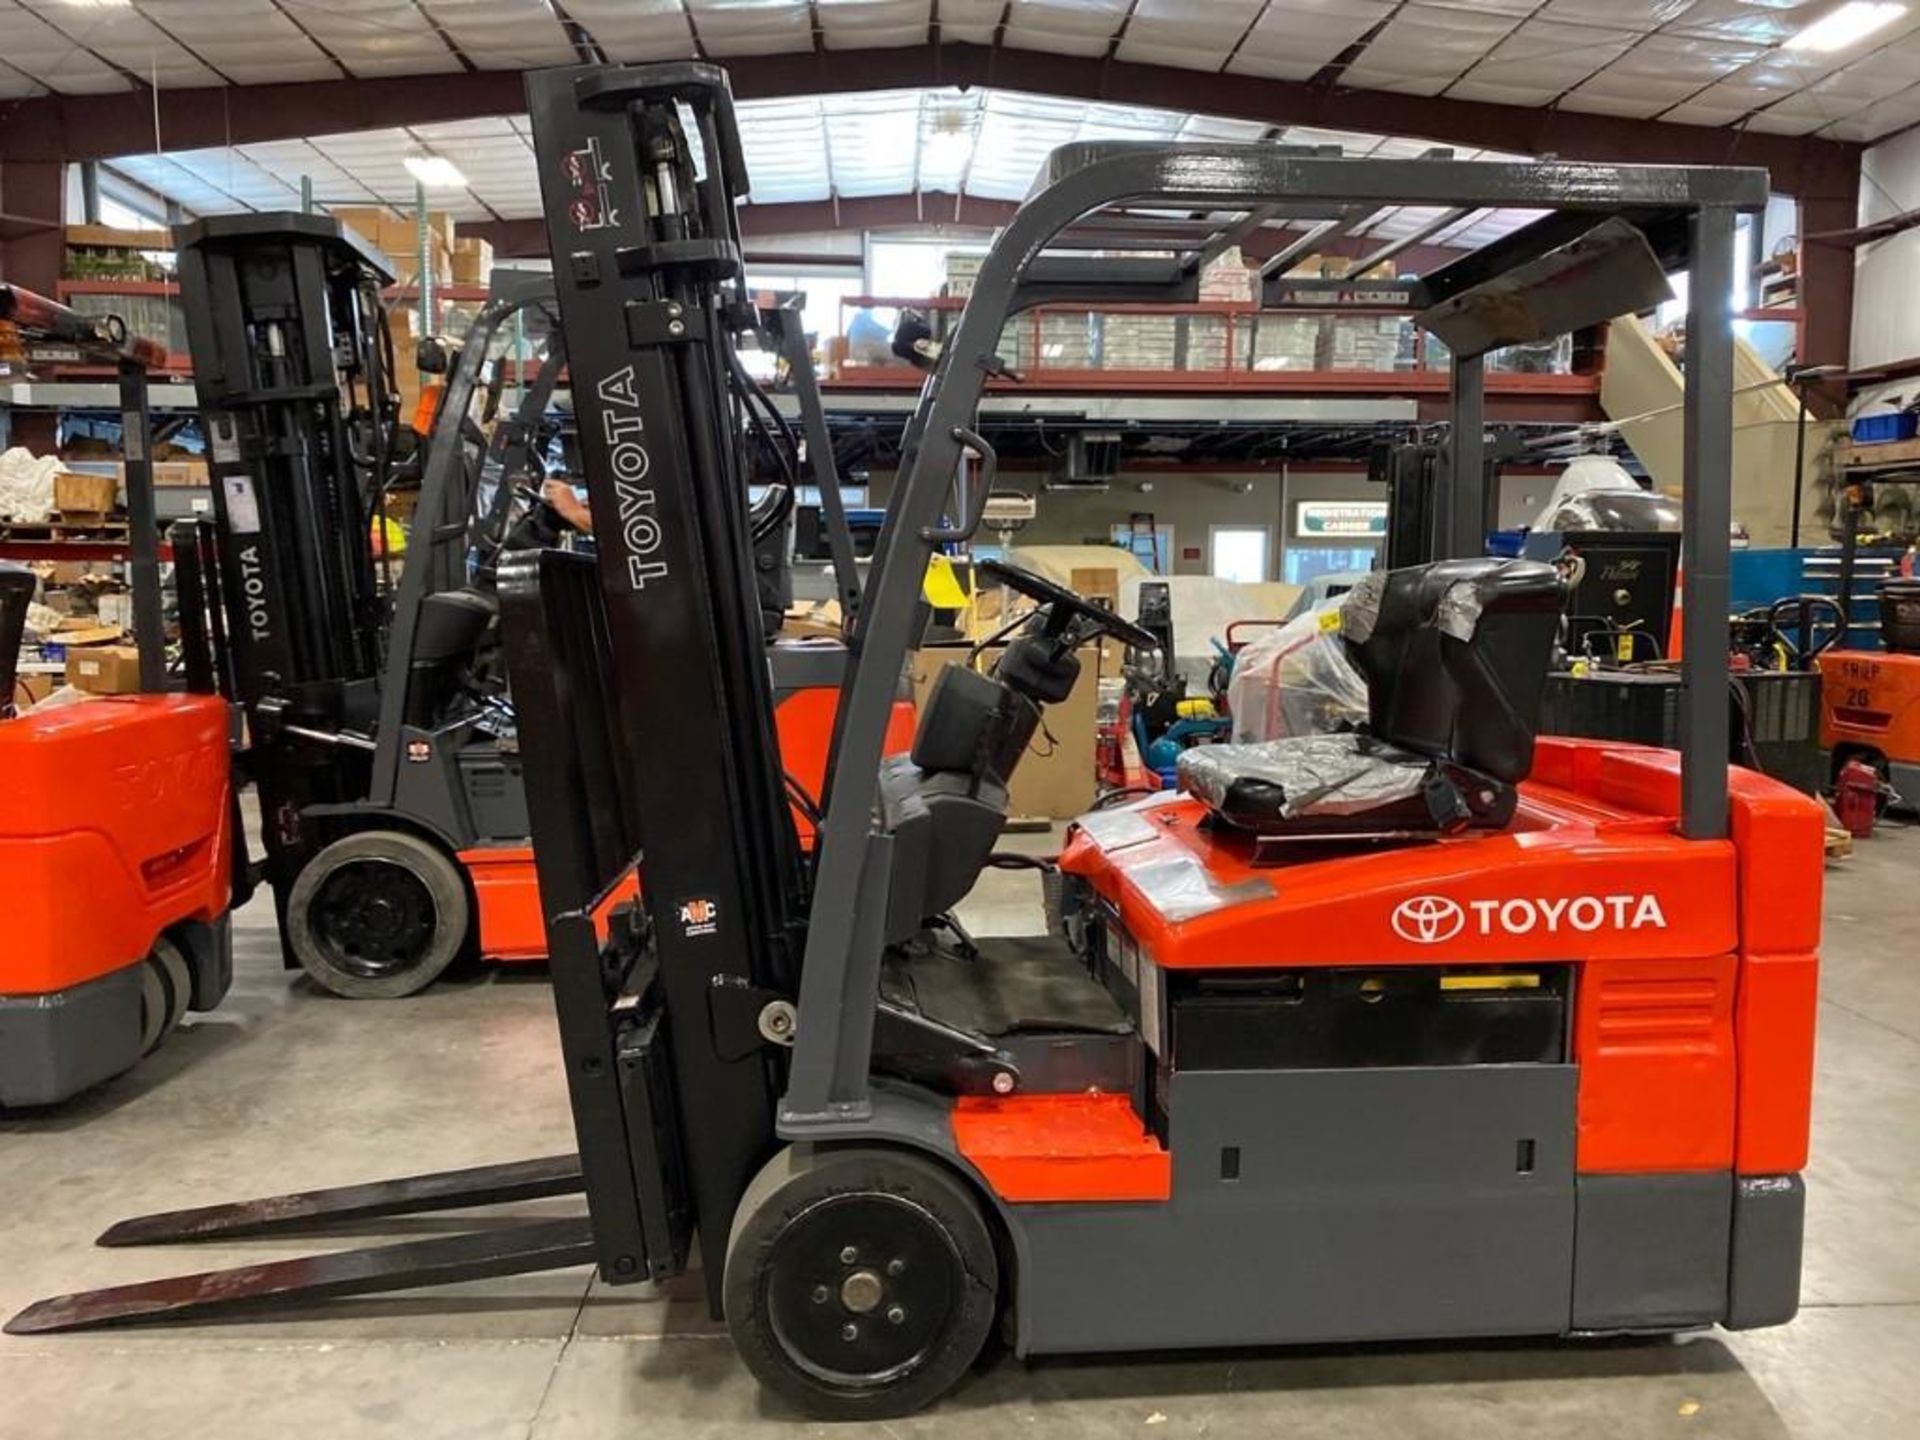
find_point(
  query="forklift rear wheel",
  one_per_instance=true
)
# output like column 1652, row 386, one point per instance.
column 860, row 1283
column 378, row 915
column 166, row 985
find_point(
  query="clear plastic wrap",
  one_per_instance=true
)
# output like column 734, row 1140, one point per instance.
column 1315, row 775
column 1298, row 679
column 1180, row 887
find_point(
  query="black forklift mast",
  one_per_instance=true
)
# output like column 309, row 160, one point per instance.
column 293, row 364
column 650, row 282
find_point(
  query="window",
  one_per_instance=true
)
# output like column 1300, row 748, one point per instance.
column 1149, row 543
column 1304, row 563
column 911, row 269
column 1238, row 552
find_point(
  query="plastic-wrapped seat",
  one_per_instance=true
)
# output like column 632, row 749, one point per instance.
column 1455, row 657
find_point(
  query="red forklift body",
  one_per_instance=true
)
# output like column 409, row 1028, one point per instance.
column 114, row 833
column 1693, row 1002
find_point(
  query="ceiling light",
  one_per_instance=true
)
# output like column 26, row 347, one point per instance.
column 436, row 172
column 946, row 149
column 1852, row 22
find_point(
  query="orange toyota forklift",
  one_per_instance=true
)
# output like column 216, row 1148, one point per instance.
column 1423, row 1029
column 117, row 823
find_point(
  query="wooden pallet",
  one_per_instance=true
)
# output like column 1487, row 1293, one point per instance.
column 1852, row 455
column 1839, row 843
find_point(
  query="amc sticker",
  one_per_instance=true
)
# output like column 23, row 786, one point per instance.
column 699, row 916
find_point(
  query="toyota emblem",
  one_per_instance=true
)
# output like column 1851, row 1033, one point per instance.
column 1428, row 919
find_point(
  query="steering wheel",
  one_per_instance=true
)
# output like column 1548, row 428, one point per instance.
column 1064, row 607
column 1802, row 608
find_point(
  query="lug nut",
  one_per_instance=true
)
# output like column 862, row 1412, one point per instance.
column 896, row 1315
column 849, row 1331
column 821, row 1294
column 849, row 1255
column 896, row 1267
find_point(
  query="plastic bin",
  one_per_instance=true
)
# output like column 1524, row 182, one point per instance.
column 1873, row 429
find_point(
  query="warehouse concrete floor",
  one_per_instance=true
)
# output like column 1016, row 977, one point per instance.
column 286, row 1088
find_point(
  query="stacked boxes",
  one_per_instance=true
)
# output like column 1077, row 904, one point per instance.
column 398, row 238
column 472, row 261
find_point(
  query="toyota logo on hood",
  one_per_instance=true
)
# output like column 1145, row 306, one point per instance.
column 1428, row 919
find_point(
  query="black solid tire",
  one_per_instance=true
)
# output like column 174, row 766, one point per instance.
column 427, row 863
column 798, row 1184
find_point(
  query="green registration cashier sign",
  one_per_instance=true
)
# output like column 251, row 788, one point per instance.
column 1340, row 520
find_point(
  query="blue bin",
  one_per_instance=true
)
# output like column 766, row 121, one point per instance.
column 1872, row 429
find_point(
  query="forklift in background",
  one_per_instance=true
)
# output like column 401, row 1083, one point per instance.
column 117, row 812
column 382, row 737
column 1417, row 1031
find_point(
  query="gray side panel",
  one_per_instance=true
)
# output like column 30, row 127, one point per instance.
column 53, row 1046
column 1651, row 1251
column 1370, row 1204
column 1769, row 1215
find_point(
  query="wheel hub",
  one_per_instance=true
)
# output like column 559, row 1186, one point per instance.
column 374, row 917
column 861, row 1292
column 861, row 1289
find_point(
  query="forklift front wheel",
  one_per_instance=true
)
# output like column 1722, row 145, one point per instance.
column 378, row 915
column 860, row 1282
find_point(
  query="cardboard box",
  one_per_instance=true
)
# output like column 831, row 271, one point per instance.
column 1058, row 781
column 472, row 261
column 31, row 687
column 398, row 238
column 105, row 669
column 1096, row 582
column 75, row 494
column 179, row 474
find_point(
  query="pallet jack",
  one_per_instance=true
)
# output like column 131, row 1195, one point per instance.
column 119, row 810
column 382, row 737
column 1493, row 1037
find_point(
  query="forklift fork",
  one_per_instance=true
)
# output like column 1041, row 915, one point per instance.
column 519, row 1249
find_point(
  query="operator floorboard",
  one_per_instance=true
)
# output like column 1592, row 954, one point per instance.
column 1017, row 984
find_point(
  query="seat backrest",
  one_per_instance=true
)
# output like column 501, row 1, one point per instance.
column 973, row 725
column 16, row 593
column 1455, row 655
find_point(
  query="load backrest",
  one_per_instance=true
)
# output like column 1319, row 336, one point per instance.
column 1455, row 655
column 16, row 593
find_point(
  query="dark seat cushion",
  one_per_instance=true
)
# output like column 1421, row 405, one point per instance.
column 1455, row 657
column 1339, row 785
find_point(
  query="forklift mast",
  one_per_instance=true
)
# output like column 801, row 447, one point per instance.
column 293, row 365
column 648, row 271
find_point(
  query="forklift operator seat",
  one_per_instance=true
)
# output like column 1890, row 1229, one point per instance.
column 1455, row 657
column 450, row 628
column 945, row 802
